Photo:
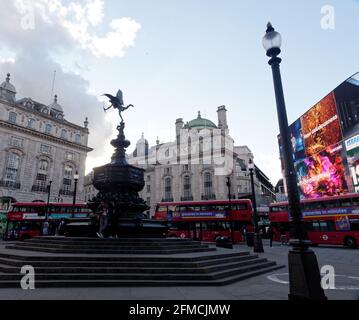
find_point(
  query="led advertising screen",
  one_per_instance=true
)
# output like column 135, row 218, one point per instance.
column 322, row 174
column 321, row 126
column 325, row 143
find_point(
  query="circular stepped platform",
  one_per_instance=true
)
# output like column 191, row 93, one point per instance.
column 65, row 262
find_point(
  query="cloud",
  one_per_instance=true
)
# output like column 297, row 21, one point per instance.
column 36, row 32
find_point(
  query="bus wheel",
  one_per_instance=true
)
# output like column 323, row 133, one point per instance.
column 350, row 242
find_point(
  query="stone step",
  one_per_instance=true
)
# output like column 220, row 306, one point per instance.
column 131, row 275
column 105, row 258
column 113, row 243
column 141, row 283
column 89, row 240
column 109, row 251
column 120, row 246
column 154, row 269
column 155, row 263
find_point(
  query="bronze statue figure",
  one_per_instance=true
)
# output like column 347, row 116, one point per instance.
column 117, row 103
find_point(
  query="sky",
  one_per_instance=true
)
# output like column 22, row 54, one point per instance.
column 173, row 58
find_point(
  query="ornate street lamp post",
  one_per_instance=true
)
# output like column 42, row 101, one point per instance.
column 228, row 184
column 76, row 179
column 304, row 275
column 48, row 199
column 257, row 241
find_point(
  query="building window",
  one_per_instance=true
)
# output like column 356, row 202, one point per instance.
column 70, row 156
column 208, row 184
column 12, row 117
column 168, row 189
column 12, row 167
column 44, row 148
column 41, row 177
column 16, row 142
column 77, row 138
column 31, row 123
column 185, row 167
column 148, row 200
column 63, row 134
column 148, row 178
column 167, row 171
column 187, row 187
column 67, row 180
column 148, row 188
column 48, row 128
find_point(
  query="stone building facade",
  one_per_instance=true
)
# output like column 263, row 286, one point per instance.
column 183, row 170
column 37, row 145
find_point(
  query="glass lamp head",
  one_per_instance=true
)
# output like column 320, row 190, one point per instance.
column 272, row 41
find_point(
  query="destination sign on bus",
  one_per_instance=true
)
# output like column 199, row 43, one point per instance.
column 331, row 211
column 204, row 214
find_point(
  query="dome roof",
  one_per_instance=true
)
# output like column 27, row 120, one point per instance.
column 6, row 85
column 200, row 122
column 55, row 106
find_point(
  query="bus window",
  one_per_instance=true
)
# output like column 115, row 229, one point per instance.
column 326, row 226
column 315, row 226
column 197, row 208
column 345, row 203
column 172, row 208
column 161, row 209
column 331, row 204
column 354, row 225
column 241, row 206
column 309, row 226
column 222, row 207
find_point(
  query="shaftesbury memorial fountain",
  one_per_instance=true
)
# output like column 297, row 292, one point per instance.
column 119, row 183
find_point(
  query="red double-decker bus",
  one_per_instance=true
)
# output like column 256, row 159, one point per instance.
column 329, row 220
column 24, row 219
column 206, row 220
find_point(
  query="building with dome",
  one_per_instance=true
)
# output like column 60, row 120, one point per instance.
column 190, row 168
column 39, row 145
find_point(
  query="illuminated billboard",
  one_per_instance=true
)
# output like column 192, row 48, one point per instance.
column 325, row 142
column 322, row 174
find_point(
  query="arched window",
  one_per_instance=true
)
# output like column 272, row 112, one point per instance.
column 77, row 138
column 31, row 123
column 168, row 189
column 12, row 117
column 187, row 187
column 11, row 169
column 48, row 128
column 208, row 186
column 63, row 134
column 41, row 176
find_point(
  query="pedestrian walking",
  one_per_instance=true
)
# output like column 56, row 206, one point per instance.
column 244, row 233
column 45, row 228
column 270, row 235
column 283, row 236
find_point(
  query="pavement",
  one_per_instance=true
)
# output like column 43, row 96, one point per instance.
column 270, row 286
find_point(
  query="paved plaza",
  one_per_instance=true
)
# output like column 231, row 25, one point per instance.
column 270, row 286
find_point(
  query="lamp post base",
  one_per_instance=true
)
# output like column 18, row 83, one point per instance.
column 304, row 274
column 257, row 243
